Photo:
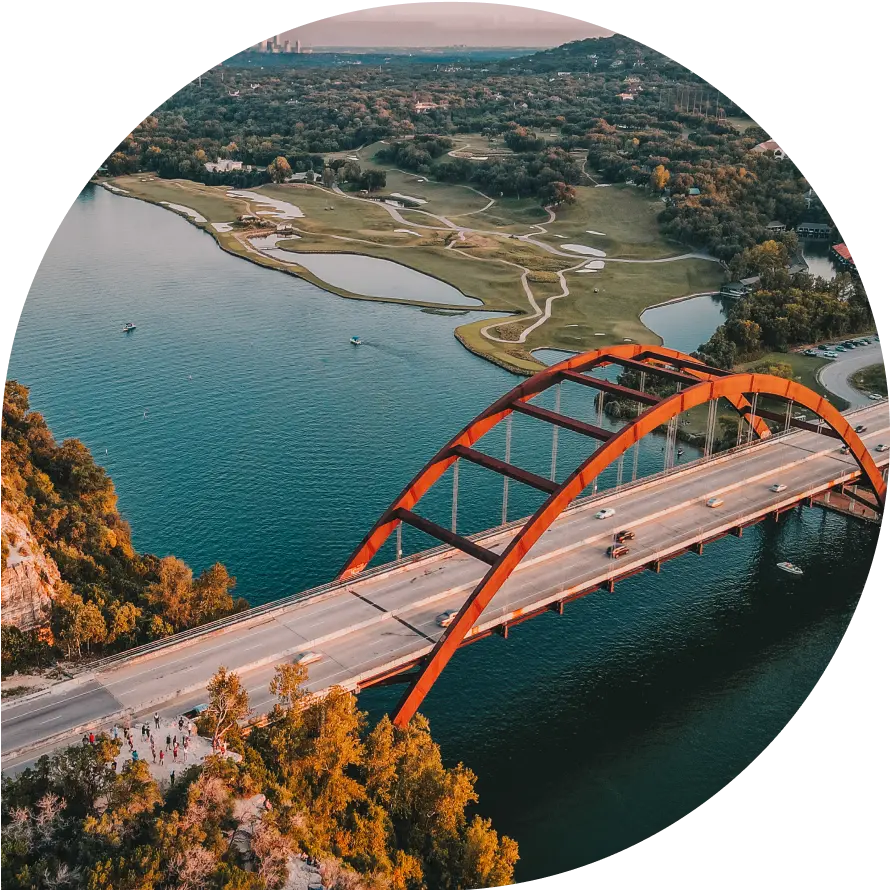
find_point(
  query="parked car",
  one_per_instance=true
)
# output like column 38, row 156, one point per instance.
column 196, row 711
column 445, row 618
column 617, row 550
column 778, row 487
column 875, row 397
column 625, row 535
column 605, row 513
column 715, row 501
column 305, row 658
column 810, row 352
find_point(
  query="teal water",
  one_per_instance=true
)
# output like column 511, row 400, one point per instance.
column 240, row 425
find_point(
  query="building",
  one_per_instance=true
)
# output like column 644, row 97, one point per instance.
column 223, row 165
column 770, row 148
column 775, row 227
column 420, row 107
column 694, row 192
column 840, row 253
column 814, row 230
column 738, row 289
column 626, row 97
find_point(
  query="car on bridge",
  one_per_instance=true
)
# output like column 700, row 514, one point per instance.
column 605, row 513
column 625, row 535
column 845, row 449
column 882, row 448
column 861, row 428
column 778, row 487
column 715, row 501
column 446, row 618
column 306, row 658
column 617, row 550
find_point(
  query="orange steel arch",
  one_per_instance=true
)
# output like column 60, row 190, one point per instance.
column 609, row 451
column 659, row 358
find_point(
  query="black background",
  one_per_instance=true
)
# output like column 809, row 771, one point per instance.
column 812, row 809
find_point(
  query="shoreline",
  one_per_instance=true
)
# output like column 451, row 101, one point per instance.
column 224, row 240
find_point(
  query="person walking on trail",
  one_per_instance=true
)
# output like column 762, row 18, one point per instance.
column 114, row 732
column 157, row 720
column 154, row 755
column 135, row 755
column 172, row 778
column 169, row 741
column 161, row 756
column 181, row 723
column 92, row 738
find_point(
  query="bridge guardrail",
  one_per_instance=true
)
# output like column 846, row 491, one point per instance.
column 268, row 609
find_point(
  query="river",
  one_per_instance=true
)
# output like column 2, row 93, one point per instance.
column 239, row 424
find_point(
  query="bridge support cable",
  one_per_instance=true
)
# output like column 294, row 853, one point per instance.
column 454, row 497
column 555, row 445
column 633, row 474
column 789, row 409
column 506, row 460
column 399, row 541
column 709, row 432
column 752, row 417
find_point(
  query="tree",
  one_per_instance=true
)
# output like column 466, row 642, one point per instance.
column 328, row 177
column 373, row 180
column 279, row 170
column 659, row 178
column 228, row 704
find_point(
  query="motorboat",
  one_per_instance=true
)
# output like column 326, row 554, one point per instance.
column 790, row 567
column 129, row 326
column 355, row 341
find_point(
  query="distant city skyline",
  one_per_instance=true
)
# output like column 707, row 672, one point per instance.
column 418, row 25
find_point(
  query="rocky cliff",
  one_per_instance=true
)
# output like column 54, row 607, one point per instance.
column 29, row 576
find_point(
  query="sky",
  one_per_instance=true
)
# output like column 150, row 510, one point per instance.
column 444, row 24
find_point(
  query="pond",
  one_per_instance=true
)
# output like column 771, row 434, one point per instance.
column 370, row 276
column 686, row 324
column 818, row 259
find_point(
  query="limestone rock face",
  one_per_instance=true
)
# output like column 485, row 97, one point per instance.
column 29, row 576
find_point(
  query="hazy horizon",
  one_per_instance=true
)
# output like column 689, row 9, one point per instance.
column 429, row 25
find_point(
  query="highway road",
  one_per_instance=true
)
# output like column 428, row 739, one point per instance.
column 836, row 374
column 371, row 625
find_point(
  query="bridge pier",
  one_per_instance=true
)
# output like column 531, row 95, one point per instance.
column 558, row 607
column 654, row 566
column 698, row 548
column 503, row 630
column 608, row 586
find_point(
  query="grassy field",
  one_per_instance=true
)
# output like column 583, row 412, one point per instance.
column 871, row 379
column 805, row 370
column 627, row 217
column 210, row 201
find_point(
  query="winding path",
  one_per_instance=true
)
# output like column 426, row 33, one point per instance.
column 539, row 315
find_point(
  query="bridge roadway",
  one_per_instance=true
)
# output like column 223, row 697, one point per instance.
column 373, row 626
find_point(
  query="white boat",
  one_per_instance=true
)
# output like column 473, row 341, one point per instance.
column 790, row 567
column 129, row 326
column 355, row 341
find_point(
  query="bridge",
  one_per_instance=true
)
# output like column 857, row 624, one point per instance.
column 382, row 624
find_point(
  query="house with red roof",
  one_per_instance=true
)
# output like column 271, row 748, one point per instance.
column 840, row 253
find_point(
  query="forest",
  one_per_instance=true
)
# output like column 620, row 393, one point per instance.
column 374, row 807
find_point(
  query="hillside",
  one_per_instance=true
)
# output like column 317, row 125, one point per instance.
column 69, row 565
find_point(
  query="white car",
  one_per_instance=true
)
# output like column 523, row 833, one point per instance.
column 306, row 658
column 714, row 501
column 778, row 487
column 605, row 513
column 875, row 397
column 446, row 618
column 882, row 448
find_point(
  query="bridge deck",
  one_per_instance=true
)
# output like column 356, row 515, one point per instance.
column 375, row 626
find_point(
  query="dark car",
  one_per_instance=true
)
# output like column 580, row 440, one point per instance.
column 626, row 535
column 861, row 428
column 617, row 550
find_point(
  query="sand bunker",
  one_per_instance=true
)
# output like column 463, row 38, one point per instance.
column 186, row 210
